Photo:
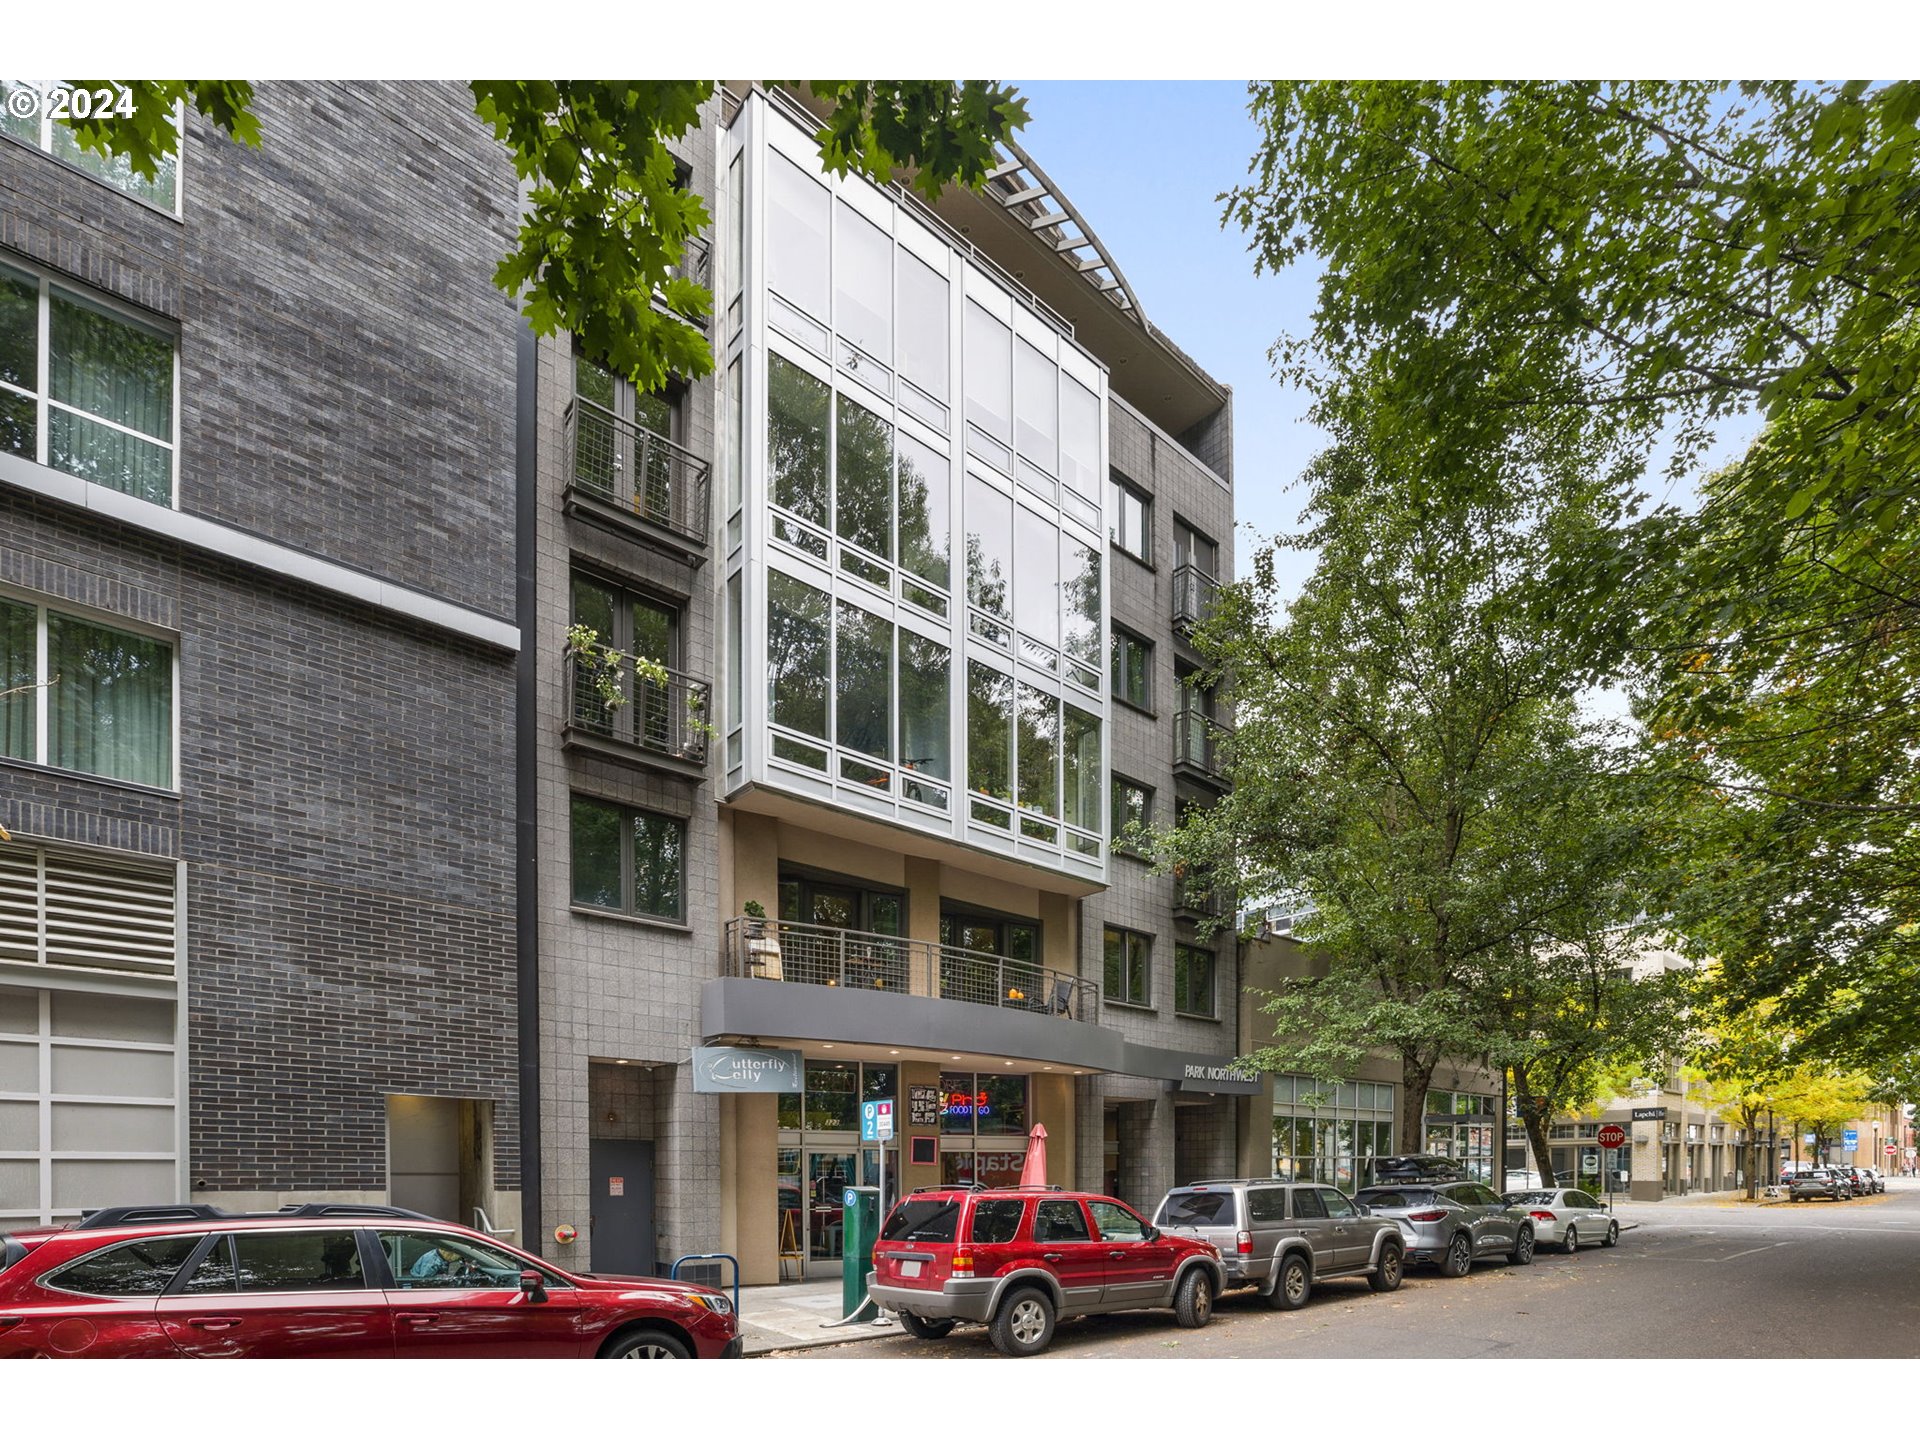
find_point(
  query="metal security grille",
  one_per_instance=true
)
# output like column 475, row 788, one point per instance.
column 93, row 912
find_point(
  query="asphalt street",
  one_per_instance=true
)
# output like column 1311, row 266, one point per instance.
column 1817, row 1279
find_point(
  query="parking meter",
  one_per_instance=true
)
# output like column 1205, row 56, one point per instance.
column 861, row 1219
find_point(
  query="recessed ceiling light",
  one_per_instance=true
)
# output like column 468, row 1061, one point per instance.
column 620, row 1062
column 893, row 1052
column 953, row 1057
column 1046, row 1067
column 826, row 1047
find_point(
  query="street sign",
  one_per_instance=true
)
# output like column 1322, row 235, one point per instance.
column 1891, row 1148
column 1589, row 1162
column 876, row 1121
column 1850, row 1139
column 1612, row 1137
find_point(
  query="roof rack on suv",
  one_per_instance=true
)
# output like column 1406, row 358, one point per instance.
column 114, row 1215
column 151, row 1215
column 331, row 1210
column 961, row 1185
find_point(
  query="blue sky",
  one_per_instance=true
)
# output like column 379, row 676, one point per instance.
column 1143, row 162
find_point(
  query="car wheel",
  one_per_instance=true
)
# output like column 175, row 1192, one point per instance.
column 1293, row 1284
column 1571, row 1244
column 1522, row 1247
column 1023, row 1325
column 647, row 1345
column 1193, row 1303
column 1459, row 1257
column 1389, row 1272
column 922, row 1328
column 1612, row 1237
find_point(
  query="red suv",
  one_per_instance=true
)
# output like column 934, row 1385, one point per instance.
column 322, row 1280
column 1019, row 1260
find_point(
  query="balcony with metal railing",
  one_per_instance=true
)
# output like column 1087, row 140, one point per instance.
column 1194, row 591
column 619, row 708
column 1195, row 899
column 860, row 960
column 1197, row 741
column 625, row 478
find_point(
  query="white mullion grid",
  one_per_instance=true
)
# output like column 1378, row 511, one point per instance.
column 45, row 1157
column 102, row 420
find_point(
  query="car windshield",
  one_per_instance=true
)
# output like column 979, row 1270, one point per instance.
column 1204, row 1207
column 1532, row 1197
column 928, row 1219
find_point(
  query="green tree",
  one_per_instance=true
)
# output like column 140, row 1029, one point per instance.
column 605, row 225
column 1406, row 755
column 1819, row 1101
column 1743, row 1055
column 1625, row 268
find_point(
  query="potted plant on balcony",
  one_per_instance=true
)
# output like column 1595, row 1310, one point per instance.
column 763, row 950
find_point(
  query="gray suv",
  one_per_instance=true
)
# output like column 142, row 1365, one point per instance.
column 1283, row 1237
column 1453, row 1224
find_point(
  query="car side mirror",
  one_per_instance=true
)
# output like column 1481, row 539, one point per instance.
column 533, row 1285
column 1152, row 1232
column 1363, row 1209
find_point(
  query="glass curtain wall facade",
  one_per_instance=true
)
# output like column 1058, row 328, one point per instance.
column 1330, row 1133
column 913, row 518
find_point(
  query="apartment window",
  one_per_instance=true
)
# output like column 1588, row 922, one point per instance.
column 1039, row 751
column 1079, row 438
column 925, row 748
column 627, row 621
column 1036, row 382
column 989, row 381
column 1132, row 669
column 38, row 128
column 989, row 522
column 799, row 217
column 1193, row 981
column 1190, row 547
column 863, row 696
column 863, row 283
column 1132, row 807
column 1130, row 519
column 924, row 326
column 628, row 860
column 1080, row 767
column 797, row 406
column 1080, row 610
column 989, row 733
column 95, row 399
column 85, row 696
column 863, row 487
column 798, row 625
column 1129, row 959
column 924, row 488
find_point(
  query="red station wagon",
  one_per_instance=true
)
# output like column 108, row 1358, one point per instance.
column 1019, row 1260
column 365, row 1281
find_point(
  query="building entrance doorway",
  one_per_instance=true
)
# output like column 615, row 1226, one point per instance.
column 620, row 1231
column 813, row 1180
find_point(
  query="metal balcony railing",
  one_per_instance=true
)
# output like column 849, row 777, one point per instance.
column 1193, row 595
column 1197, row 739
column 673, row 720
column 636, row 472
column 1193, row 897
column 857, row 959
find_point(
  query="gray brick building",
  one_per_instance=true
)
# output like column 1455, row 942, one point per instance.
column 257, row 589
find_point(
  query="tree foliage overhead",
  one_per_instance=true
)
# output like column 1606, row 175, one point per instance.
column 1625, row 269
column 1406, row 755
column 606, row 226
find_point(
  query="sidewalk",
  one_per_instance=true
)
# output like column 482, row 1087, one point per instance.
column 790, row 1317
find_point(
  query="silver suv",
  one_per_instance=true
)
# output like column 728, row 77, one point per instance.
column 1284, row 1237
column 1453, row 1224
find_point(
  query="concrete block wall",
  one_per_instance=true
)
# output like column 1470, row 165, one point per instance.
column 614, row 987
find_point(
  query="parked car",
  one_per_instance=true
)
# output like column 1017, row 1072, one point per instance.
column 1566, row 1218
column 1020, row 1260
column 359, row 1281
column 1453, row 1224
column 1282, row 1238
column 1806, row 1184
column 1877, row 1179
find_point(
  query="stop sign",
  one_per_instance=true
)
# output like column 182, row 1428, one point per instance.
column 1612, row 1137
column 1892, row 1149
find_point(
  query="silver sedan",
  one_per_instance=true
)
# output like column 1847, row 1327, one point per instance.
column 1566, row 1219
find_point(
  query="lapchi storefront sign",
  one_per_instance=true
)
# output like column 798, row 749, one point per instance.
column 734, row 1069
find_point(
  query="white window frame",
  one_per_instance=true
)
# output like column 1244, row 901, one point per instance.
column 41, row 703
column 45, row 147
column 43, row 342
